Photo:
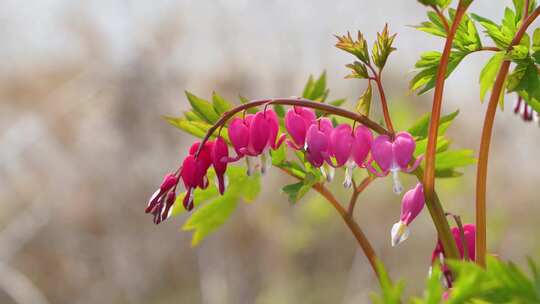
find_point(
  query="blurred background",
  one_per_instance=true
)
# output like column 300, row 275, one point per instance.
column 83, row 85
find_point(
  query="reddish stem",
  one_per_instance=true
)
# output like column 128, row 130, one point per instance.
column 443, row 228
column 485, row 141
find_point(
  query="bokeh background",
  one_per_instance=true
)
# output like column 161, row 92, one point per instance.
column 83, row 85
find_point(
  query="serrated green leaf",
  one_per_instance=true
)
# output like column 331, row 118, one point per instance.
column 364, row 102
column 454, row 159
column 220, row 104
column 489, row 72
column 428, row 66
column 420, row 128
column 383, row 47
column 359, row 70
column 358, row 47
column 203, row 108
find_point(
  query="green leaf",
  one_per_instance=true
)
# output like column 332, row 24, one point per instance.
column 489, row 72
column 338, row 102
column 297, row 190
column 359, row 70
column 191, row 115
column 195, row 128
column 316, row 90
column 356, row 47
column 364, row 102
column 212, row 215
column 203, row 108
column 428, row 66
column 420, row 128
column 220, row 104
column 382, row 48
column 390, row 293
column 279, row 155
column 452, row 159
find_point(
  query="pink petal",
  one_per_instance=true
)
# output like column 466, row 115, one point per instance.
column 404, row 146
column 381, row 151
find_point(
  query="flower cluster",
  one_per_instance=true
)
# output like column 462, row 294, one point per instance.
column 324, row 145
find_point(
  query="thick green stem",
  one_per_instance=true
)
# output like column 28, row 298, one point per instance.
column 432, row 203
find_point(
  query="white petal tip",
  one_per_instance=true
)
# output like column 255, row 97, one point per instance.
column 399, row 233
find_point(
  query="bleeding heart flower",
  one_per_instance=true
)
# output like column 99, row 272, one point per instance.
column 341, row 145
column 361, row 145
column 239, row 135
column 318, row 141
column 469, row 233
column 297, row 122
column 273, row 122
column 220, row 158
column 394, row 156
column 411, row 205
column 159, row 204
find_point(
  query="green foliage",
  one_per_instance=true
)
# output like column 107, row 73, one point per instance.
column 435, row 25
column 467, row 39
column 446, row 161
column 428, row 66
column 500, row 282
column 390, row 292
column 316, row 89
column 382, row 48
column 525, row 80
column 297, row 190
column 489, row 73
column 202, row 108
column 358, row 47
column 358, row 69
column 220, row 104
column 218, row 209
column 364, row 102
column 442, row 4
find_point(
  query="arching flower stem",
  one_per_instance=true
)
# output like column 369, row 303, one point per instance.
column 295, row 102
column 357, row 190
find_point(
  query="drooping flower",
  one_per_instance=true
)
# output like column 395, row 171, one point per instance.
column 160, row 202
column 254, row 136
column 411, row 205
column 239, row 135
column 361, row 145
column 469, row 247
column 394, row 156
column 194, row 170
column 318, row 142
column 525, row 110
column 220, row 158
column 297, row 122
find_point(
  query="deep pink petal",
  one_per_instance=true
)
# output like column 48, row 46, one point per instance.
column 362, row 144
column 296, row 127
column 341, row 142
column 259, row 134
column 381, row 151
column 412, row 204
column 404, row 146
column 238, row 134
